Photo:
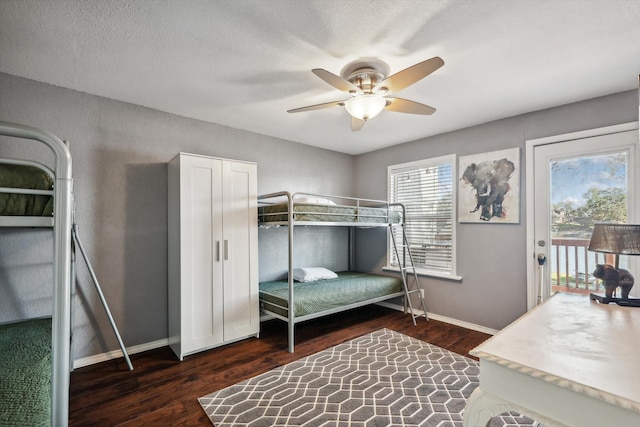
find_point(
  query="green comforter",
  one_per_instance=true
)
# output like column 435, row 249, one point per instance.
column 322, row 295
column 30, row 177
column 25, row 373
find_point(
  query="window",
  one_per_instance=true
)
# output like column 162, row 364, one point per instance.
column 427, row 191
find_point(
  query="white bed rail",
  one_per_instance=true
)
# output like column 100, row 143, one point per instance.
column 22, row 162
column 61, row 317
column 291, row 324
column 27, row 221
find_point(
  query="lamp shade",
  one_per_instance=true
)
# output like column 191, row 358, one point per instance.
column 623, row 239
column 365, row 106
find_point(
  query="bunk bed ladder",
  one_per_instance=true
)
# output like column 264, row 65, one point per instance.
column 78, row 244
column 406, row 270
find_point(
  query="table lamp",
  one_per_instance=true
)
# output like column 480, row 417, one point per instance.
column 616, row 239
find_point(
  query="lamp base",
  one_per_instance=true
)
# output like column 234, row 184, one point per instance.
column 627, row 302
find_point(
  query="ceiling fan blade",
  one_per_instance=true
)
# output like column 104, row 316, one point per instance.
column 400, row 105
column 318, row 106
column 336, row 81
column 357, row 124
column 409, row 76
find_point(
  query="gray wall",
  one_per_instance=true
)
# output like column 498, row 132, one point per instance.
column 119, row 154
column 490, row 257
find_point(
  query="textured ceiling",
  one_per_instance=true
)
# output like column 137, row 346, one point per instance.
column 244, row 63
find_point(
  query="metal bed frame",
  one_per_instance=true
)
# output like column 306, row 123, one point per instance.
column 291, row 319
column 65, row 240
column 61, row 316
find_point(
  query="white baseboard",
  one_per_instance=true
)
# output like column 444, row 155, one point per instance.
column 444, row 319
column 116, row 354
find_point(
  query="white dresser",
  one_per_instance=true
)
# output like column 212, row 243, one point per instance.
column 568, row 362
column 213, row 252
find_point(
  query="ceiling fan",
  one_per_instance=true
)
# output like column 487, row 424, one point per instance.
column 369, row 87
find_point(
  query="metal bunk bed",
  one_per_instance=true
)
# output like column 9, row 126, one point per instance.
column 305, row 209
column 65, row 240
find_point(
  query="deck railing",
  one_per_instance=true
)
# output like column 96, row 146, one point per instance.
column 571, row 265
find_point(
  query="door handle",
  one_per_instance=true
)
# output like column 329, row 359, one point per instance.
column 226, row 250
column 541, row 259
column 218, row 250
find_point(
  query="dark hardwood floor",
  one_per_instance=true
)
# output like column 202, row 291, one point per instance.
column 161, row 391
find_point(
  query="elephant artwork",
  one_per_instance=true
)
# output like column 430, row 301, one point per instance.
column 490, row 179
column 489, row 187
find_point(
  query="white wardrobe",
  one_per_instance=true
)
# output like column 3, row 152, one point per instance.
column 213, row 252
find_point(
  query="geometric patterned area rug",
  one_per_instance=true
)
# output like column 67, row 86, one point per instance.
column 380, row 379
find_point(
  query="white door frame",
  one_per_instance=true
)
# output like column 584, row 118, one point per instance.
column 634, row 199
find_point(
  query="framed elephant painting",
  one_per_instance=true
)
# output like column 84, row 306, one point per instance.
column 489, row 187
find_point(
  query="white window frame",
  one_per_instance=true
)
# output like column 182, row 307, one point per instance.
column 450, row 159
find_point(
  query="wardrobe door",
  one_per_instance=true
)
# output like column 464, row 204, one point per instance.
column 240, row 252
column 202, row 264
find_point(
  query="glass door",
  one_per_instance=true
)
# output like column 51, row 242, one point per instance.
column 582, row 191
column 577, row 183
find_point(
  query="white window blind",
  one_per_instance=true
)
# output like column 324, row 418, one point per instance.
column 426, row 189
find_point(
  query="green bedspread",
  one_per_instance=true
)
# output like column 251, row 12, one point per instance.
column 25, row 373
column 30, row 177
column 327, row 213
column 314, row 297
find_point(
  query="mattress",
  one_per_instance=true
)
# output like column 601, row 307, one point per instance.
column 327, row 213
column 322, row 295
column 28, row 177
column 25, row 373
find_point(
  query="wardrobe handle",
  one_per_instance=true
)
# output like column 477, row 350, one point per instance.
column 226, row 250
column 218, row 250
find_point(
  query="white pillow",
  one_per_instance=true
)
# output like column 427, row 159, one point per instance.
column 314, row 200
column 311, row 274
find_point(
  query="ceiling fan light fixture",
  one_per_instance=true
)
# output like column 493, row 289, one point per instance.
column 365, row 106
column 368, row 83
